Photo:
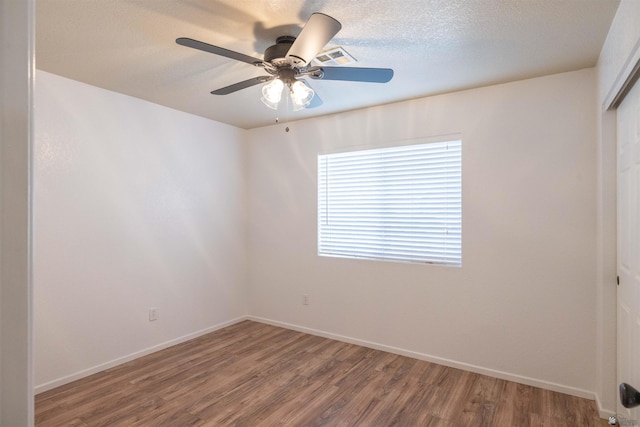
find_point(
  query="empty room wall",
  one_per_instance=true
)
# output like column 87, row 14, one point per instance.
column 135, row 206
column 522, row 306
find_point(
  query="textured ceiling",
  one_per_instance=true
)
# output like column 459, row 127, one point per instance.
column 434, row 46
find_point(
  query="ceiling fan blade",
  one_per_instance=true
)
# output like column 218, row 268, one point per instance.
column 355, row 74
column 195, row 44
column 317, row 32
column 316, row 101
column 241, row 85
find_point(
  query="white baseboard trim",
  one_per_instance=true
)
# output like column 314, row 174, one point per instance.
column 603, row 412
column 434, row 359
column 103, row 366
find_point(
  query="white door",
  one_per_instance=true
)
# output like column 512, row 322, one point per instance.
column 629, row 247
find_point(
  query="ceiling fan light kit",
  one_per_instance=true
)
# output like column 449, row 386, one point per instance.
column 301, row 94
column 289, row 60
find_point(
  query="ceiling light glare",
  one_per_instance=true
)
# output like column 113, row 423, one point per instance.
column 301, row 95
column 272, row 93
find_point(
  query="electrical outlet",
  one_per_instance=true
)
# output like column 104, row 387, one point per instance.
column 153, row 314
column 305, row 299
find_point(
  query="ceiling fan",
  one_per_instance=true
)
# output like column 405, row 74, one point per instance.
column 289, row 59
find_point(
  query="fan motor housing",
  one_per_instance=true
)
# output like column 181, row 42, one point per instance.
column 278, row 51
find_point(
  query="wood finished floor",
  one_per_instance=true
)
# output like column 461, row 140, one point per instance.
column 251, row 374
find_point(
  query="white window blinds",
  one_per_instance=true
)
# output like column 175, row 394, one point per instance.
column 399, row 203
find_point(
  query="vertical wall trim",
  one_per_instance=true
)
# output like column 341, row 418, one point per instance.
column 16, row 130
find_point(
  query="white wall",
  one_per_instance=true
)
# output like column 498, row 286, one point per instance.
column 523, row 304
column 16, row 79
column 136, row 206
column 620, row 49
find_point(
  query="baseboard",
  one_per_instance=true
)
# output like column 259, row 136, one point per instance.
column 603, row 412
column 103, row 366
column 435, row 359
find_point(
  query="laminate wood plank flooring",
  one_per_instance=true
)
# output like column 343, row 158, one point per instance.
column 252, row 374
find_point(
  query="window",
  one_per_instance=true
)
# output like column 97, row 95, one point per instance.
column 399, row 203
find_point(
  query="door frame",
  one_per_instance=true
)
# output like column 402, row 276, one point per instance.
column 607, row 311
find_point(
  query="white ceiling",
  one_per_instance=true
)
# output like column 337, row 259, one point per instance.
column 434, row 46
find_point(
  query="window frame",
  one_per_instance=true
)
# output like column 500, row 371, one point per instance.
column 445, row 258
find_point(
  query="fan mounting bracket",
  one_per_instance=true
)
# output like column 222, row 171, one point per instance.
column 277, row 53
column 285, row 39
column 316, row 73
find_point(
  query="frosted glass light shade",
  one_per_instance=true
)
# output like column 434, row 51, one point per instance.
column 272, row 93
column 301, row 95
